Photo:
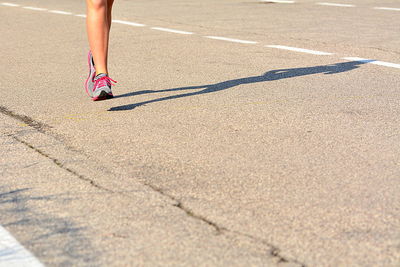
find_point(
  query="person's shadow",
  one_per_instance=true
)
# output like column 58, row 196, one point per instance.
column 272, row 75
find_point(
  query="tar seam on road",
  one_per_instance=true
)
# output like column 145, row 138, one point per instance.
column 39, row 126
column 59, row 164
column 273, row 251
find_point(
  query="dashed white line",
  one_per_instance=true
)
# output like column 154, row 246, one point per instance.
column 60, row 12
column 231, row 40
column 334, row 4
column 34, row 8
column 278, row 1
column 9, row 4
column 128, row 23
column 372, row 61
column 387, row 8
column 301, row 50
column 170, row 30
column 12, row 253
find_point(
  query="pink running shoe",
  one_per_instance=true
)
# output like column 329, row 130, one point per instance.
column 102, row 87
column 98, row 87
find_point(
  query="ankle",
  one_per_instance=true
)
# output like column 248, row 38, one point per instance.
column 101, row 72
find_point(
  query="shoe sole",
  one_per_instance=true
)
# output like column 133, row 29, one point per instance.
column 102, row 96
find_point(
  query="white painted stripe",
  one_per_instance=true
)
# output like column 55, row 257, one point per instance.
column 372, row 61
column 364, row 60
column 278, row 1
column 34, row 8
column 386, row 64
column 334, row 4
column 128, row 23
column 81, row 15
column 170, row 30
column 388, row 8
column 13, row 253
column 60, row 12
column 231, row 40
column 9, row 4
column 301, row 50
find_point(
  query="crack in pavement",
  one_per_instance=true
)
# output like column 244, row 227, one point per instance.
column 273, row 251
column 59, row 164
column 179, row 205
column 39, row 126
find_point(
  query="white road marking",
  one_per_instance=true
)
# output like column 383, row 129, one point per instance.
column 231, row 40
column 388, row 8
column 334, row 4
column 12, row 253
column 372, row 61
column 170, row 30
column 34, row 8
column 128, row 23
column 60, row 12
column 278, row 1
column 9, row 4
column 301, row 50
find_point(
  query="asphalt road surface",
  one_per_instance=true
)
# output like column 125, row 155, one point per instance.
column 243, row 133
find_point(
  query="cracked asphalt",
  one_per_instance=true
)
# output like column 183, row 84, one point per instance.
column 214, row 152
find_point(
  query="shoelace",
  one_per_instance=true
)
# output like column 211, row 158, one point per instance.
column 103, row 81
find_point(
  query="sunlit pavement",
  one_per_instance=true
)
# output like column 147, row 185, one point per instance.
column 242, row 133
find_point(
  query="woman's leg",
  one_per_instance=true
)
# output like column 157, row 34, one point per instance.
column 109, row 14
column 98, row 27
